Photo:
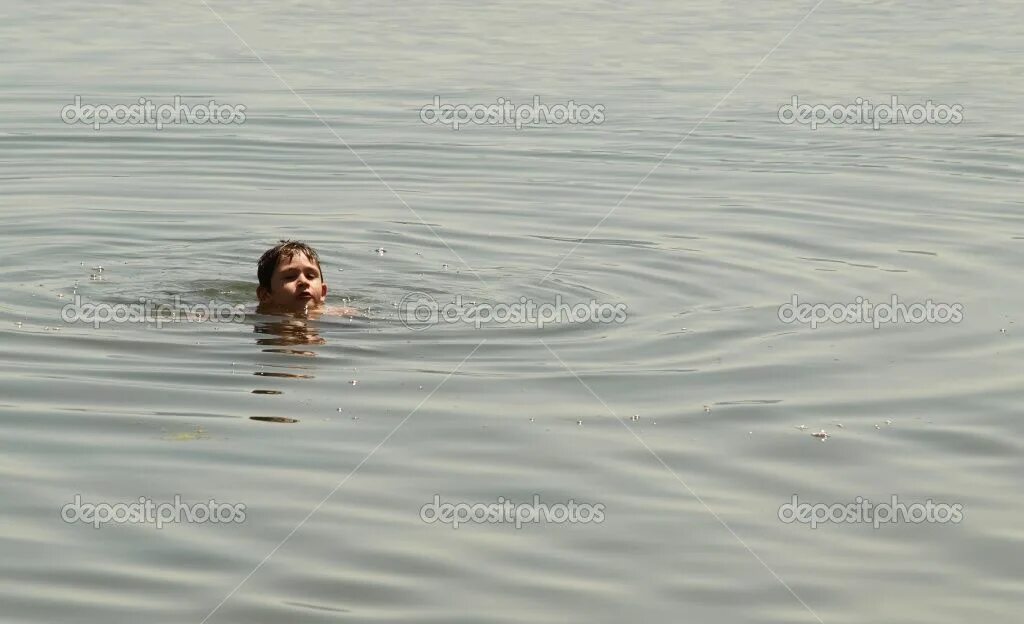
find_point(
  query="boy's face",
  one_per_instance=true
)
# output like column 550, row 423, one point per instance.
column 295, row 285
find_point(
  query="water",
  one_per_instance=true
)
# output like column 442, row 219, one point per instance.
column 744, row 213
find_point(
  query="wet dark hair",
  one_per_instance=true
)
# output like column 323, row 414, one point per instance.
column 287, row 249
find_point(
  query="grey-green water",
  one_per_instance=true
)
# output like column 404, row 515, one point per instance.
column 702, row 246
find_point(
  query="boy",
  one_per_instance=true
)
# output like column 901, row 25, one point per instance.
column 291, row 281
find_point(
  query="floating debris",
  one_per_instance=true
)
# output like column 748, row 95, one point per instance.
column 707, row 409
column 355, row 418
column 840, row 425
column 339, row 410
column 187, row 436
column 444, row 267
column 274, row 419
column 353, row 382
column 18, row 324
column 888, row 422
column 531, row 420
column 801, row 427
column 579, row 422
column 877, row 427
column 380, row 251
column 821, row 435
column 635, row 417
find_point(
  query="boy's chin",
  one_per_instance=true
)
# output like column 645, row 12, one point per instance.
column 299, row 306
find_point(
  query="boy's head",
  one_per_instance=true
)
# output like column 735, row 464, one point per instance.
column 290, row 278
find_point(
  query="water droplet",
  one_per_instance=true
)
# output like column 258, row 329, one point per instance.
column 444, row 267
column 707, row 409
column 877, row 427
column 354, row 382
column 840, row 425
column 421, row 387
column 888, row 422
column 802, row 427
column 339, row 410
column 635, row 417
column 579, row 422
column 380, row 251
column 355, row 418
column 18, row 323
column 531, row 420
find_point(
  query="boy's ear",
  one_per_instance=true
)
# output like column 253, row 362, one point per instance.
column 324, row 294
column 262, row 294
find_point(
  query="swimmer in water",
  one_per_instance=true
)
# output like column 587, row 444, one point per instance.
column 291, row 282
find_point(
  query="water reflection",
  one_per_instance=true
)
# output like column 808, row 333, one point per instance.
column 286, row 331
column 279, row 333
